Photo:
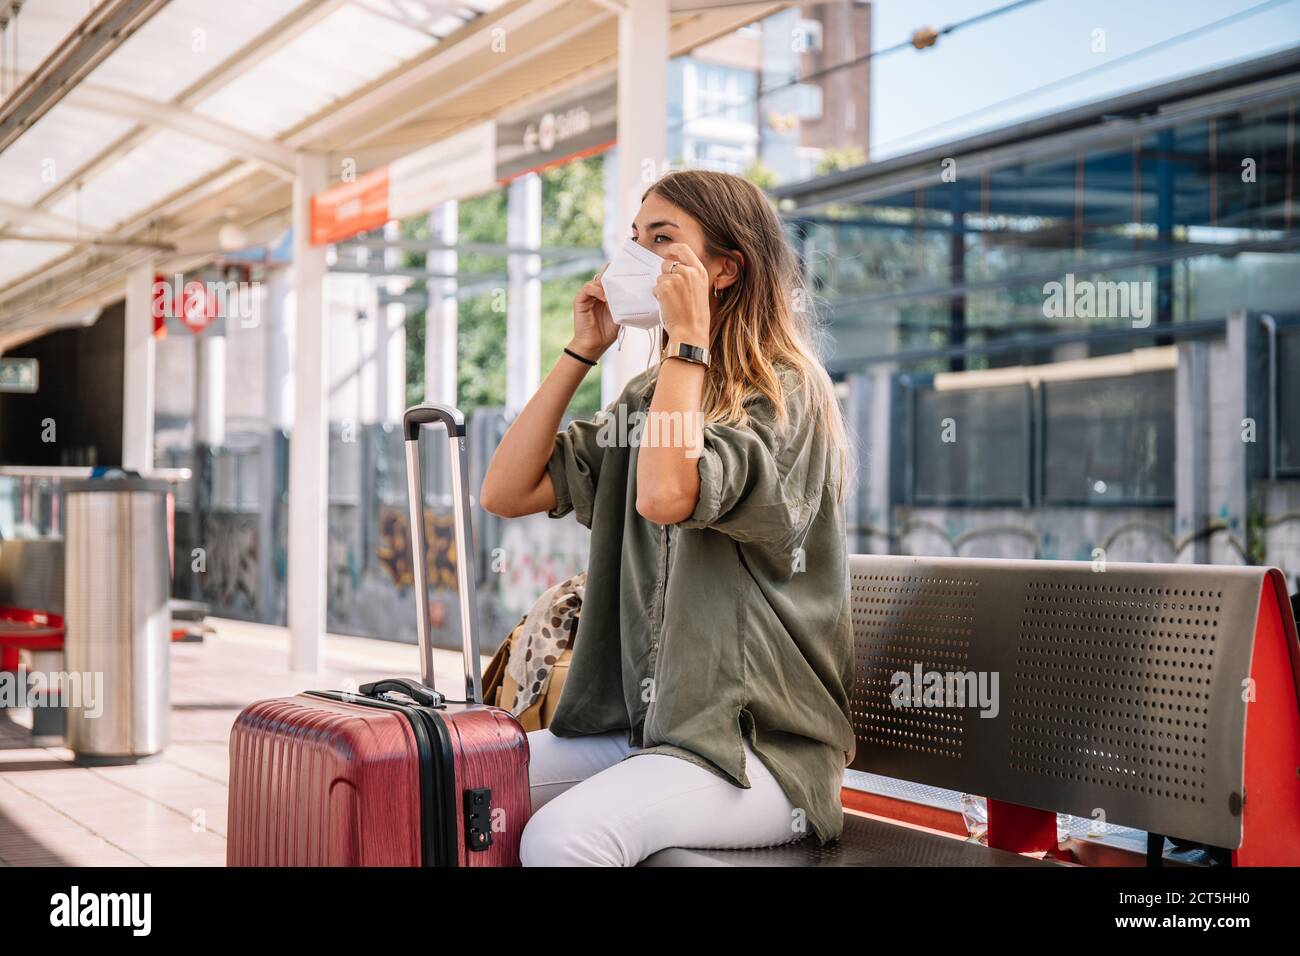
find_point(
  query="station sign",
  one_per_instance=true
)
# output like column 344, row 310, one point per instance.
column 457, row 167
column 350, row 208
column 20, row 375
column 203, row 303
column 581, row 122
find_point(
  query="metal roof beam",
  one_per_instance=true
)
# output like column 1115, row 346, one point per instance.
column 40, row 219
column 276, row 156
column 104, row 30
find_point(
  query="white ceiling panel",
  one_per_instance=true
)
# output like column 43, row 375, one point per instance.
column 186, row 41
column 161, row 165
column 341, row 54
column 59, row 143
column 19, row 258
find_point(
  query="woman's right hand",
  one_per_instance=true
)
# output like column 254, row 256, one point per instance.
column 594, row 330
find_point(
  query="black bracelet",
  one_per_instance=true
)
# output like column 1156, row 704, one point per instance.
column 575, row 355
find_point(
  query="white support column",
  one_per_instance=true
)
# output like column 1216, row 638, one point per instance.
column 1230, row 404
column 390, row 349
column 309, row 440
column 524, row 296
column 614, row 232
column 642, row 145
column 1192, row 510
column 442, row 317
column 278, row 310
column 277, row 314
column 210, row 389
column 393, row 400
column 138, row 371
column 372, row 370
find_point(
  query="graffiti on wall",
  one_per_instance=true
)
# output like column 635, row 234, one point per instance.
column 231, row 580
column 394, row 548
column 536, row 553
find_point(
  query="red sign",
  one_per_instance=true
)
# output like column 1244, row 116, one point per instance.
column 192, row 302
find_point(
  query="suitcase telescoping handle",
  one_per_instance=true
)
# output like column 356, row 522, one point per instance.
column 454, row 421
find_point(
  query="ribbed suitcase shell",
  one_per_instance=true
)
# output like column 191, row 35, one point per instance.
column 318, row 782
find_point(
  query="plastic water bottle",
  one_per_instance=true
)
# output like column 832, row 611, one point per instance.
column 975, row 811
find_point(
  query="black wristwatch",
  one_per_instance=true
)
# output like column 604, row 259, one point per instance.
column 697, row 354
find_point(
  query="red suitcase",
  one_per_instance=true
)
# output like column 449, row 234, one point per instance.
column 394, row 775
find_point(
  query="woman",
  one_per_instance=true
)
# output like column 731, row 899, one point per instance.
column 707, row 698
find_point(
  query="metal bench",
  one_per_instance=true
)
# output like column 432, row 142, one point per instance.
column 1159, row 697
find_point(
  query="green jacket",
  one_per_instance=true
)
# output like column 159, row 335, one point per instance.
column 733, row 621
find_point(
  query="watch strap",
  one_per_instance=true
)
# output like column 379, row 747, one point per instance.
column 696, row 354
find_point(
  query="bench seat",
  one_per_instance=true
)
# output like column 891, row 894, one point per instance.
column 866, row 841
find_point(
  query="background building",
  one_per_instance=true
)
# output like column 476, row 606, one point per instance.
column 775, row 97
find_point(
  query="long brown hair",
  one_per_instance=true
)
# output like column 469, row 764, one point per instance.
column 765, row 319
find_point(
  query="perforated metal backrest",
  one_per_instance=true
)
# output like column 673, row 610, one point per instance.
column 31, row 574
column 1079, row 691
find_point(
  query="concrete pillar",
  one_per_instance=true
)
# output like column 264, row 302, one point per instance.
column 377, row 374
column 371, row 359
column 524, row 296
column 870, row 424
column 1231, row 493
column 277, row 310
column 209, row 435
column 210, row 389
column 138, row 371
column 614, row 232
column 309, row 443
column 1192, row 510
column 642, row 146
column 442, row 317
column 857, row 411
column 393, row 397
column 390, row 321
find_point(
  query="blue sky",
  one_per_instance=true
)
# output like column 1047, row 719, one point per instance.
column 1009, row 55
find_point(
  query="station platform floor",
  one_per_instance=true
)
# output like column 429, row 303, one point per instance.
column 171, row 810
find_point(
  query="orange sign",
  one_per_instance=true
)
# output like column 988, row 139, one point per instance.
column 348, row 208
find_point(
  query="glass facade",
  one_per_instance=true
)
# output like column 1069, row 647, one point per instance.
column 1109, row 441
column 1196, row 218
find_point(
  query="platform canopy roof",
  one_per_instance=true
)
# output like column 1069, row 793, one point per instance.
column 133, row 130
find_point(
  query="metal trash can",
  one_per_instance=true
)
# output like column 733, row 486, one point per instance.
column 117, row 643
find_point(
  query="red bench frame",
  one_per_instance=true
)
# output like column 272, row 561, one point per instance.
column 44, row 633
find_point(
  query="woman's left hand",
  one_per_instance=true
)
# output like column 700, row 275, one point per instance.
column 683, row 293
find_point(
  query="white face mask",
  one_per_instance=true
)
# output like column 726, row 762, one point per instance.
column 629, row 283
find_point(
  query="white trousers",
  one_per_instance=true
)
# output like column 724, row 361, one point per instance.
column 593, row 808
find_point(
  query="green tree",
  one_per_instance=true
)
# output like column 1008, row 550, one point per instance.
column 841, row 157
column 762, row 175
column 572, row 215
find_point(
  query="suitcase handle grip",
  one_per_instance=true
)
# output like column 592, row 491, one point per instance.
column 418, row 415
column 402, row 685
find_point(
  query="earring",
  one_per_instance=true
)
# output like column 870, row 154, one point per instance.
column 717, row 292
